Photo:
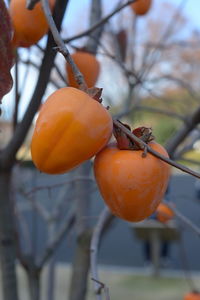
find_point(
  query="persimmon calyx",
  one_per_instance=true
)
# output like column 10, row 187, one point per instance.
column 125, row 143
column 95, row 93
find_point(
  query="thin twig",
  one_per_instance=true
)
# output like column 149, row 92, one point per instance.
column 144, row 146
column 103, row 287
column 103, row 218
column 184, row 219
column 31, row 63
column 151, row 110
column 66, row 226
column 61, row 46
column 100, row 23
column 43, row 187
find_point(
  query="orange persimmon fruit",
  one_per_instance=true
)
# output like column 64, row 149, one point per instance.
column 88, row 66
column 192, row 296
column 132, row 186
column 141, row 7
column 29, row 25
column 164, row 213
column 71, row 128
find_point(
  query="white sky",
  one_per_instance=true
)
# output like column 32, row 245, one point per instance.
column 76, row 21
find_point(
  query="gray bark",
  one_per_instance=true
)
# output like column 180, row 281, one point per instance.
column 81, row 262
column 34, row 284
column 95, row 16
column 190, row 124
column 7, row 239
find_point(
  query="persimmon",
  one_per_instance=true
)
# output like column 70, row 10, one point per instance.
column 88, row 66
column 29, row 25
column 131, row 185
column 192, row 296
column 164, row 213
column 141, row 7
column 71, row 128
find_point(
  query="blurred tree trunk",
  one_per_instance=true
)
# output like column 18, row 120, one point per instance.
column 81, row 264
column 78, row 285
column 34, row 284
column 51, row 278
column 95, row 16
column 7, row 238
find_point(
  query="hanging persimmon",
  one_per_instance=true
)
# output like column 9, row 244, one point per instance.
column 29, row 25
column 71, row 128
column 192, row 296
column 131, row 185
column 164, row 213
column 141, row 7
column 88, row 66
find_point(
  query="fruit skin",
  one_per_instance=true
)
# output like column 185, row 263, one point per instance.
column 131, row 185
column 71, row 128
column 141, row 7
column 88, row 66
column 192, row 296
column 29, row 25
column 164, row 213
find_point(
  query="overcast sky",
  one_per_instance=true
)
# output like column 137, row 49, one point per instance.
column 76, row 21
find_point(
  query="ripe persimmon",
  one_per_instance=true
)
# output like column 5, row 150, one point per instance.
column 71, row 128
column 192, row 296
column 88, row 66
column 131, row 185
column 29, row 25
column 141, row 7
column 164, row 213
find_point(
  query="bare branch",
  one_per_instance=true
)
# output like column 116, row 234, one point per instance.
column 61, row 46
column 184, row 219
column 7, row 156
column 179, row 137
column 95, row 16
column 152, row 110
column 144, row 146
column 43, row 187
column 103, row 219
column 31, row 63
column 65, row 227
column 100, row 23
column 17, row 94
column 103, row 287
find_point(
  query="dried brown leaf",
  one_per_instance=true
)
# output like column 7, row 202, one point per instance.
column 6, row 51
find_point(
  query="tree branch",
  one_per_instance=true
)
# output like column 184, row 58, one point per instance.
column 95, row 16
column 103, row 219
column 61, row 46
column 7, row 156
column 66, row 226
column 179, row 137
column 146, row 147
column 184, row 219
column 100, row 23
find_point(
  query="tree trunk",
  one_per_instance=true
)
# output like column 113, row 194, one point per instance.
column 51, row 278
column 78, row 286
column 95, row 16
column 34, row 284
column 7, row 239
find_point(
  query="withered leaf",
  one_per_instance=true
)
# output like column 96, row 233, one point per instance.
column 6, row 51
